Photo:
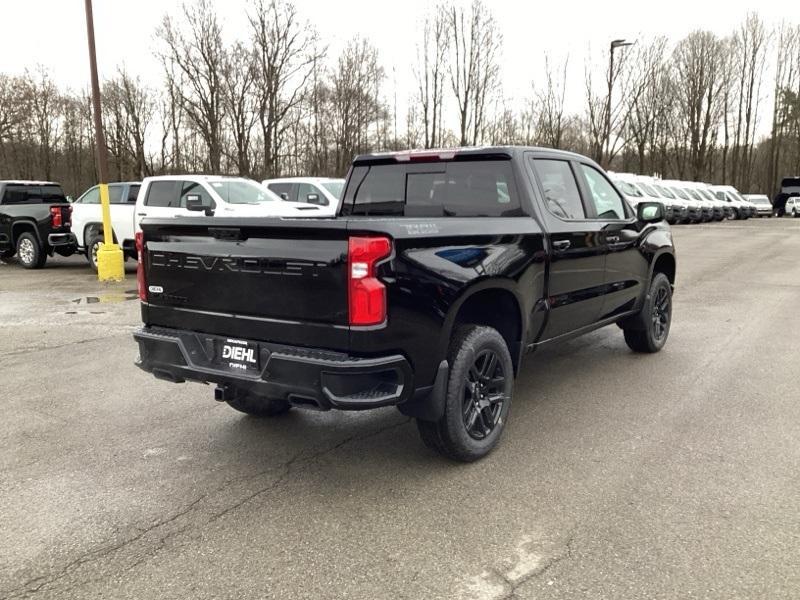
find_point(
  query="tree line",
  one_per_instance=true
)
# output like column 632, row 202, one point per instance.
column 278, row 102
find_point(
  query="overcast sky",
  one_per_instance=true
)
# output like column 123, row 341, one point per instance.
column 53, row 32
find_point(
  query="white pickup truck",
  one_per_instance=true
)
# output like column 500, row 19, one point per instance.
column 87, row 219
column 166, row 196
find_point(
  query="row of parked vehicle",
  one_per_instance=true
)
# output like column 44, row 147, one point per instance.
column 691, row 201
column 38, row 220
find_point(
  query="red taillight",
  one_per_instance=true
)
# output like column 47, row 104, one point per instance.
column 367, row 293
column 55, row 213
column 140, row 281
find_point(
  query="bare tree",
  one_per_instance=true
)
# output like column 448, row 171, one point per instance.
column 647, row 106
column 354, row 97
column 474, row 70
column 286, row 52
column 430, row 73
column 199, row 54
column 550, row 104
column 749, row 57
column 699, row 80
column 241, row 99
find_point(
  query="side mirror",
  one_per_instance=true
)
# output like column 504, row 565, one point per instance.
column 197, row 204
column 284, row 196
column 650, row 212
column 314, row 199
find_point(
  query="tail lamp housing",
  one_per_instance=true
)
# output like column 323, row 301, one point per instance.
column 367, row 294
column 141, row 284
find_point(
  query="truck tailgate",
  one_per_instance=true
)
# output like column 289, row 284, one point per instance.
column 252, row 278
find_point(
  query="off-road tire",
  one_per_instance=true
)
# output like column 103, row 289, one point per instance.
column 649, row 330
column 479, row 392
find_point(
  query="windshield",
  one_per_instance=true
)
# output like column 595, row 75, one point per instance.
column 760, row 200
column 241, row 192
column 706, row 194
column 679, row 193
column 665, row 192
column 648, row 190
column 738, row 196
column 692, row 193
column 629, row 189
column 334, row 187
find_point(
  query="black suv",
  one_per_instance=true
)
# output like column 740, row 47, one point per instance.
column 34, row 222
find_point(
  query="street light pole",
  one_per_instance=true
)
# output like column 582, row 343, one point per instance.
column 110, row 260
column 606, row 160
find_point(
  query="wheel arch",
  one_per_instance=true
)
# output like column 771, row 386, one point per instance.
column 664, row 262
column 96, row 226
column 495, row 303
column 21, row 226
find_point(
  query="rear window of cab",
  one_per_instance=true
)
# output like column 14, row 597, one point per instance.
column 474, row 188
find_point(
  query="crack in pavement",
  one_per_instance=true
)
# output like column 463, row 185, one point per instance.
column 42, row 583
column 503, row 581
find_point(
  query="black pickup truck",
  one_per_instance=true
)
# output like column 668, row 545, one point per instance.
column 34, row 222
column 441, row 271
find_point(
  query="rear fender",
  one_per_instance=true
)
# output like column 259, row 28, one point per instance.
column 516, row 347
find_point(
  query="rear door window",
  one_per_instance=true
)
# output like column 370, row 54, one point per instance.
column 133, row 193
column 115, row 194
column 480, row 188
column 560, row 188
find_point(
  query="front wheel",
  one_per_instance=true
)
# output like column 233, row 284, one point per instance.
column 479, row 391
column 649, row 331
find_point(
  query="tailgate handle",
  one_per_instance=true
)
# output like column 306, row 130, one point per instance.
column 226, row 233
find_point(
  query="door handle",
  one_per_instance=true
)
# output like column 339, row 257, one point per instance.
column 141, row 214
column 562, row 244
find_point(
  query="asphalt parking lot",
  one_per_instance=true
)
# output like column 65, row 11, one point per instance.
column 619, row 476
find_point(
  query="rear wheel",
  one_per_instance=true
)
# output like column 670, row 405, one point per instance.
column 649, row 331
column 92, row 248
column 258, row 406
column 479, row 391
column 29, row 253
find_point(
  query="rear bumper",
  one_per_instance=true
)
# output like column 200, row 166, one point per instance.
column 62, row 239
column 317, row 379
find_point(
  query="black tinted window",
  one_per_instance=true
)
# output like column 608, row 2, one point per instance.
column 52, row 193
column 458, row 188
column 15, row 194
column 560, row 188
column 164, row 193
column 33, row 194
column 133, row 193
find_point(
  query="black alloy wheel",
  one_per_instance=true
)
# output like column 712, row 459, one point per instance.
column 484, row 395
